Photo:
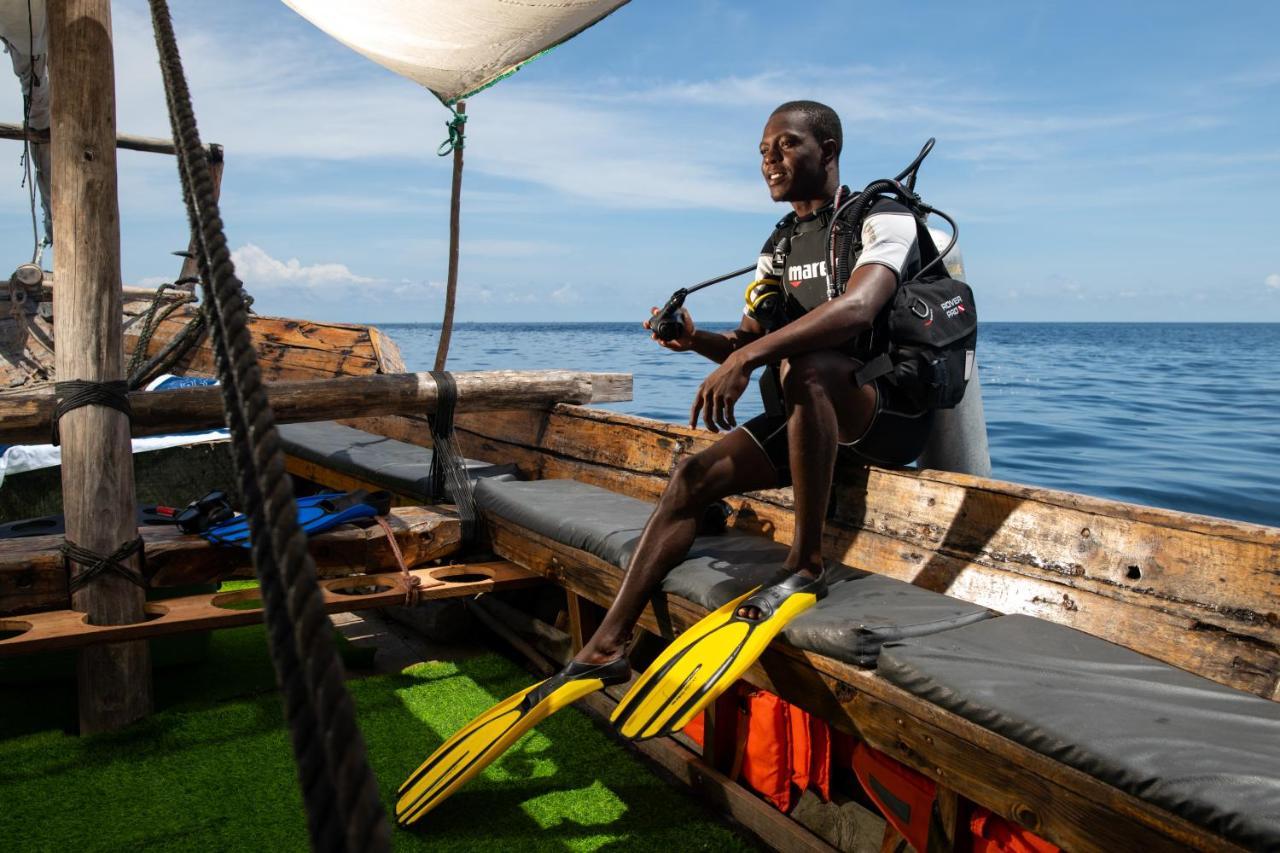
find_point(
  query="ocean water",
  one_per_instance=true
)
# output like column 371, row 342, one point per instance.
column 1185, row 416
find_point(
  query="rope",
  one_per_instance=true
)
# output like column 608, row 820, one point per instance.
column 100, row 565
column 448, row 467
column 456, row 126
column 412, row 584
column 150, row 322
column 344, row 811
column 32, row 82
column 75, row 393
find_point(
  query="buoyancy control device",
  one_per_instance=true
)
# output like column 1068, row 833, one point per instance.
column 930, row 326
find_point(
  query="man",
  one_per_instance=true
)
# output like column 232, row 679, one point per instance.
column 819, row 353
column 826, row 340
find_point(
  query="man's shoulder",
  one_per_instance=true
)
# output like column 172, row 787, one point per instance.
column 889, row 205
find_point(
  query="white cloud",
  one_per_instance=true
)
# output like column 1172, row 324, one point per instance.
column 565, row 295
column 258, row 269
column 1272, row 281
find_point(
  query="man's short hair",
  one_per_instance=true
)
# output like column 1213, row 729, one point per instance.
column 822, row 120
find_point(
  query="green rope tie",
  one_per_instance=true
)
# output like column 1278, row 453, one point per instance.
column 455, row 140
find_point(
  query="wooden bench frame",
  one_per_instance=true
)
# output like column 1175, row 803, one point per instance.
column 1063, row 805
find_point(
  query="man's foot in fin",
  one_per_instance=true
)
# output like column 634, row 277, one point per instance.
column 473, row 747
column 772, row 593
column 707, row 658
column 601, row 650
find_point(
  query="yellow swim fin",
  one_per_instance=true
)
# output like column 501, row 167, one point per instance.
column 486, row 737
column 705, row 660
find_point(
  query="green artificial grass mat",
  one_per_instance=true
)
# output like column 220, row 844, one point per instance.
column 213, row 769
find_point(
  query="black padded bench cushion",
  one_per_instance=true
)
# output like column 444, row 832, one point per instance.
column 397, row 466
column 861, row 612
column 1203, row 751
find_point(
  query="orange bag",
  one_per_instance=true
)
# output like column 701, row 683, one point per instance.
column 993, row 834
column 904, row 797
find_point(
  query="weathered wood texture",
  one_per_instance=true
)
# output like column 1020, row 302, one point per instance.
column 65, row 629
column 287, row 349
column 25, row 418
column 1200, row 593
column 1063, row 805
column 97, row 462
column 32, row 576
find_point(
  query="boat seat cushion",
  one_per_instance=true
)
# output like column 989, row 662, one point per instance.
column 1203, row 751
column 861, row 612
column 397, row 466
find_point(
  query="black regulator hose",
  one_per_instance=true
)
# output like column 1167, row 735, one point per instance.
column 667, row 324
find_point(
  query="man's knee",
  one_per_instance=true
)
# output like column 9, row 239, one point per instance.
column 821, row 372
column 688, row 485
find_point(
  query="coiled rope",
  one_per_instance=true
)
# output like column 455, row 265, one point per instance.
column 344, row 812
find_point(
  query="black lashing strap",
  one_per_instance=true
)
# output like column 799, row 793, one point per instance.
column 449, row 478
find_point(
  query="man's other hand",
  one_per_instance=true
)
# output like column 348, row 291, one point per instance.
column 684, row 343
column 717, row 395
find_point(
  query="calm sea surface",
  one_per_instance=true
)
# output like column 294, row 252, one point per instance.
column 1185, row 416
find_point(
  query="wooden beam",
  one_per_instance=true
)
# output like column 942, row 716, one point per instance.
column 32, row 576
column 97, row 461
column 191, row 264
column 127, row 141
column 24, row 418
column 66, row 629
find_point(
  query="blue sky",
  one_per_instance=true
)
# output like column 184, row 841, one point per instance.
column 1106, row 161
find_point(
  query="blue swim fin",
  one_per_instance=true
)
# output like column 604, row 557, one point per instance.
column 316, row 514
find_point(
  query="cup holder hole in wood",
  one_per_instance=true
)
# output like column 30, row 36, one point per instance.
column 10, row 628
column 240, row 600
column 358, row 588
column 150, row 612
column 461, row 574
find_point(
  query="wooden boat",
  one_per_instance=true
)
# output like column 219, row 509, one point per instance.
column 1190, row 594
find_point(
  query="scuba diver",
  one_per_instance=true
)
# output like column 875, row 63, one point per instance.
column 813, row 335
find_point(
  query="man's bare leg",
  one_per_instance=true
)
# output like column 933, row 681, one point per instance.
column 732, row 465
column 824, row 408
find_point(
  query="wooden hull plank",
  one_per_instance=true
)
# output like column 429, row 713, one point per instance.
column 66, row 629
column 1199, row 593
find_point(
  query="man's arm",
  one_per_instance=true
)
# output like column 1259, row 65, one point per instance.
column 828, row 326
column 716, row 346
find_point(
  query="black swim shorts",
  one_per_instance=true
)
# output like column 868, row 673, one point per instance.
column 896, row 435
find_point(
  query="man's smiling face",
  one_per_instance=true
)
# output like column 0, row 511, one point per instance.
column 792, row 160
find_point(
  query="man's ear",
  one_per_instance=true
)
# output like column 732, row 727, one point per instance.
column 829, row 152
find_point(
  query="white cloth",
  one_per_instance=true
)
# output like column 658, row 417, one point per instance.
column 29, row 457
column 452, row 47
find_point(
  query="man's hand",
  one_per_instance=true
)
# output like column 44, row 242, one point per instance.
column 718, row 393
column 684, row 343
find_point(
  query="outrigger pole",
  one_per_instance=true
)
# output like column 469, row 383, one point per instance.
column 97, row 462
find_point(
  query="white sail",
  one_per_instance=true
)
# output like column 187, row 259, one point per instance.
column 452, row 47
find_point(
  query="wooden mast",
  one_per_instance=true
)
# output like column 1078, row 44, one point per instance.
column 455, row 218
column 97, row 463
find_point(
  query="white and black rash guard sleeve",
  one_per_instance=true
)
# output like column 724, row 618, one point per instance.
column 889, row 239
column 764, row 267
